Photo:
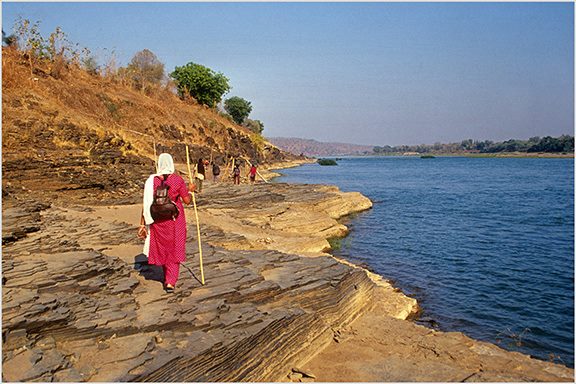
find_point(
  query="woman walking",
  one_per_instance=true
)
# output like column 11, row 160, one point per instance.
column 215, row 171
column 253, row 174
column 200, row 174
column 166, row 243
column 236, row 174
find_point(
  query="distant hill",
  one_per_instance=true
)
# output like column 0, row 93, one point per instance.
column 317, row 148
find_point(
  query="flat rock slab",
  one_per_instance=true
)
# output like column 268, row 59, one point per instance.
column 80, row 303
column 78, row 306
column 384, row 349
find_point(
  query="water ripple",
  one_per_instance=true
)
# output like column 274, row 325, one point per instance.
column 485, row 245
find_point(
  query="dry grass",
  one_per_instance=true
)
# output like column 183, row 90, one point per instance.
column 102, row 106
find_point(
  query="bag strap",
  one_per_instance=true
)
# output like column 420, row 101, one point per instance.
column 162, row 179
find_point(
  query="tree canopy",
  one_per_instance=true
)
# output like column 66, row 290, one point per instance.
column 238, row 108
column 564, row 143
column 200, row 82
column 145, row 69
column 8, row 40
column 255, row 126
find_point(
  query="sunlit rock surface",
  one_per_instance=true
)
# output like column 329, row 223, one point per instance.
column 80, row 302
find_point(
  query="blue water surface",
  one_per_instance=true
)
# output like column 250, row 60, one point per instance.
column 486, row 245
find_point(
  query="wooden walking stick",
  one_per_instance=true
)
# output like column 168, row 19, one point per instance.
column 258, row 173
column 233, row 160
column 155, row 157
column 196, row 214
column 227, row 166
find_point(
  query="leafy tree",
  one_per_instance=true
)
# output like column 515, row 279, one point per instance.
column 564, row 143
column 200, row 82
column 90, row 64
column 255, row 126
column 238, row 108
column 534, row 140
column 57, row 50
column 384, row 149
column 467, row 144
column 145, row 69
column 567, row 143
column 9, row 41
column 30, row 41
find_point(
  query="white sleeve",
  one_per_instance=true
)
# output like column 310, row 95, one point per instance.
column 148, row 199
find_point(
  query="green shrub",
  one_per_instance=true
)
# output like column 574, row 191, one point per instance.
column 200, row 82
column 238, row 108
column 335, row 243
column 327, row 162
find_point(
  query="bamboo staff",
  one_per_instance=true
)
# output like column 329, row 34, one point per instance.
column 155, row 157
column 195, row 213
column 233, row 160
column 258, row 173
column 226, row 167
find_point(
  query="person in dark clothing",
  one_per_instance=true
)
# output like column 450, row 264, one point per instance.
column 200, row 175
column 236, row 174
column 215, row 171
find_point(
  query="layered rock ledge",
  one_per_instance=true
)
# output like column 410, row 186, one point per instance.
column 80, row 302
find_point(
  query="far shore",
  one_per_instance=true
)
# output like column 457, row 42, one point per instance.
column 511, row 154
column 461, row 154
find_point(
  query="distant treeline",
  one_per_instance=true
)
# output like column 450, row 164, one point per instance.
column 548, row 144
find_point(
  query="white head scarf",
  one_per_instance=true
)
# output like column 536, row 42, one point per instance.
column 165, row 164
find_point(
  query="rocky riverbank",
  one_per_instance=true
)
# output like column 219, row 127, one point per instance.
column 81, row 304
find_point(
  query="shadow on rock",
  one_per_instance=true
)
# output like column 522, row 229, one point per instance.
column 148, row 271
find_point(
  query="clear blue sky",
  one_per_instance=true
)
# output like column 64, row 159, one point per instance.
column 365, row 73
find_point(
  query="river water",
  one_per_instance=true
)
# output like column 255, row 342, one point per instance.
column 486, row 245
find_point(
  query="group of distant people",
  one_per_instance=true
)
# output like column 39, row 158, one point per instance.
column 251, row 173
column 201, row 173
column 165, row 238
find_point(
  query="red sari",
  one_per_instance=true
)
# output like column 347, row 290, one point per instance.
column 168, row 238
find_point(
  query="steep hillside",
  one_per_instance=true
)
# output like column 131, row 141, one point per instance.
column 79, row 136
column 317, row 148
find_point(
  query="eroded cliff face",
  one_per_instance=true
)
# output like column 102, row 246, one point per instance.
column 83, row 137
column 79, row 302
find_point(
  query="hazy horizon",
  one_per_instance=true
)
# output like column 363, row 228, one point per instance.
column 359, row 73
column 422, row 143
